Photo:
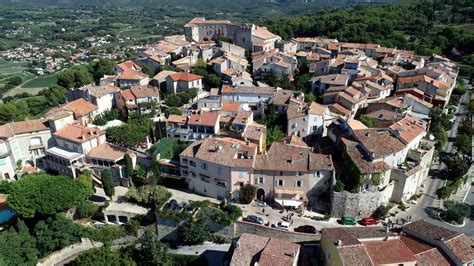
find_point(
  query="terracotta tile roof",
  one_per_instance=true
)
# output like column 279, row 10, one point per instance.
column 354, row 255
column 144, row 91
column 183, row 76
column 248, row 250
column 430, row 230
column 230, row 107
column 243, row 117
column 361, row 160
column 432, row 257
column 224, row 151
column 332, row 79
column 163, row 74
column 415, row 245
column 283, row 157
column 166, row 47
column 462, row 247
column 227, row 89
column 21, row 127
column 80, row 107
column 127, row 95
column 293, row 140
column 413, row 97
column 391, row 251
column 409, row 128
column 263, row 33
column 254, row 132
column 381, row 143
column 107, row 152
column 57, row 113
column 180, row 119
column 130, row 74
column 99, row 91
column 129, row 64
column 200, row 21
column 279, row 252
column 299, row 109
column 204, row 118
column 356, row 124
column 339, row 109
column 385, row 115
column 78, row 133
column 282, row 97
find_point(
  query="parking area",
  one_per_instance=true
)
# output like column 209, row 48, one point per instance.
column 274, row 216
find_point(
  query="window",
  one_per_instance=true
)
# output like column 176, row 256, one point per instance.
column 281, row 173
column 280, row 183
column 261, row 180
column 221, row 183
column 185, row 161
column 298, row 174
column 192, row 163
column 2, row 161
column 204, row 166
column 242, row 174
column 35, row 141
column 315, row 128
column 185, row 173
column 219, row 170
column 299, row 183
column 243, row 39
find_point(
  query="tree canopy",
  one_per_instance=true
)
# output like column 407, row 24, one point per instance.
column 43, row 194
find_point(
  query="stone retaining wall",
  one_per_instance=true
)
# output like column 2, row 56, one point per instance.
column 361, row 204
column 69, row 252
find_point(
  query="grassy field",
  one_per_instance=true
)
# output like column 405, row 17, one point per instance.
column 41, row 82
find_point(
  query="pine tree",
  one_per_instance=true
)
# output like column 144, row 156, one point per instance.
column 107, row 183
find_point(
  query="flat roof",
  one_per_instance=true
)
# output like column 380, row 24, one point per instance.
column 58, row 152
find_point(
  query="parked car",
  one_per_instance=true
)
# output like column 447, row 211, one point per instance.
column 170, row 205
column 370, row 221
column 306, row 229
column 181, row 207
column 282, row 225
column 254, row 219
column 190, row 209
column 348, row 220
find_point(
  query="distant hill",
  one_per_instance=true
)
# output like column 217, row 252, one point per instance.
column 189, row 3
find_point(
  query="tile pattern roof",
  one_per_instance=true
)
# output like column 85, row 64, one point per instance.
column 283, row 157
column 361, row 160
column 391, row 251
column 183, row 76
column 279, row 252
column 409, row 128
column 144, row 91
column 107, row 152
column 130, row 74
column 99, row 91
column 78, row 133
column 354, row 255
column 80, row 107
column 204, row 119
column 430, row 230
column 20, row 127
column 254, row 132
column 380, row 143
column 293, row 140
column 462, row 247
column 180, row 119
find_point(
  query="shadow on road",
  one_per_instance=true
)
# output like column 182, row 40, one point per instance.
column 433, row 212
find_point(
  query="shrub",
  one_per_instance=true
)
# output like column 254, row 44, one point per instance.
column 227, row 216
column 87, row 209
column 339, row 187
column 381, row 212
column 455, row 211
column 247, row 193
column 194, row 233
column 153, row 197
column 402, row 206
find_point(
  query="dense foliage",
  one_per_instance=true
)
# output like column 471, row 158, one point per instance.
column 455, row 212
column 150, row 196
column 247, row 193
column 168, row 148
column 194, row 233
column 132, row 133
column 227, row 215
column 43, row 194
column 107, row 182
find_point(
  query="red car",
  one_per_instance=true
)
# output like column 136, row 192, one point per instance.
column 369, row 221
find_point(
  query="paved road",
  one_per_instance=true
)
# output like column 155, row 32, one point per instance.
column 215, row 254
column 428, row 205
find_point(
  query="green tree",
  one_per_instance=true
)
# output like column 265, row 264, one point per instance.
column 367, row 120
column 139, row 176
column 200, row 64
column 274, row 134
column 155, row 169
column 455, row 211
column 463, row 143
column 309, row 98
column 87, row 209
column 55, row 233
column 17, row 246
column 173, row 100
column 101, row 68
column 247, row 193
column 213, row 80
column 128, row 165
column 152, row 251
column 150, row 196
column 107, row 182
column 43, row 194
column 456, row 167
column 194, row 233
column 104, row 256
column 173, row 111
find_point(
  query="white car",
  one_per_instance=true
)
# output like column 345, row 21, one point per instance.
column 282, row 225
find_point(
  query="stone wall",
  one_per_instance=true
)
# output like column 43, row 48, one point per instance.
column 167, row 228
column 69, row 252
column 261, row 230
column 361, row 204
